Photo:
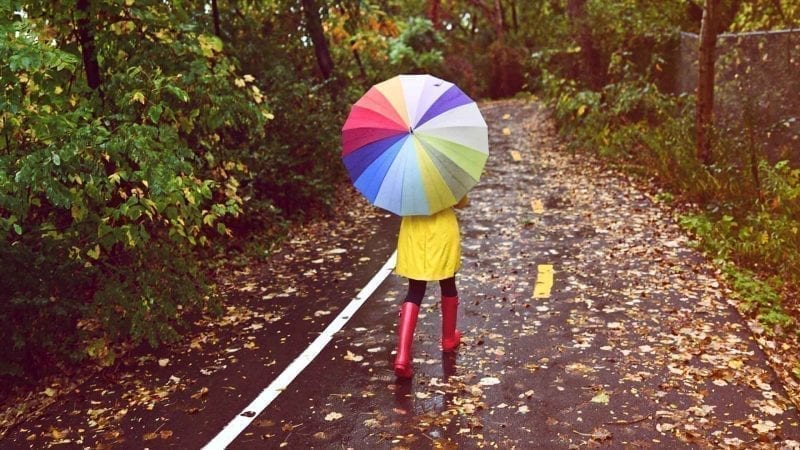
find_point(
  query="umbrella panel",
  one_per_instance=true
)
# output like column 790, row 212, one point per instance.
column 370, row 179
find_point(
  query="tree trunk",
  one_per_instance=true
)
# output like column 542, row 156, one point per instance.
column 215, row 15
column 705, row 81
column 86, row 39
column 433, row 13
column 314, row 25
column 593, row 71
column 495, row 14
column 514, row 19
column 499, row 23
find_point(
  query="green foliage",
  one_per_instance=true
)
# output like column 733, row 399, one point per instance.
column 299, row 168
column 112, row 190
column 761, row 241
column 767, row 15
column 762, row 297
column 417, row 49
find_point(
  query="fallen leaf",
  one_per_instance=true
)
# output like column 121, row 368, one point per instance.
column 489, row 381
column 350, row 356
column 59, row 434
column 203, row 391
column 735, row 364
column 333, row 416
column 149, row 436
column 771, row 409
column 601, row 434
column 601, row 397
column 665, row 427
column 765, row 426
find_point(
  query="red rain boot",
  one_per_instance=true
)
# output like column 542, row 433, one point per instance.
column 450, row 336
column 405, row 336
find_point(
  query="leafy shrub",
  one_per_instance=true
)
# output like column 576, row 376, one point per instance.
column 417, row 49
column 106, row 196
column 763, row 297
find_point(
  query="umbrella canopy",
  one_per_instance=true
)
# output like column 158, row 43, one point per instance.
column 414, row 144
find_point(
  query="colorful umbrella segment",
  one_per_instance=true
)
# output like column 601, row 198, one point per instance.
column 414, row 144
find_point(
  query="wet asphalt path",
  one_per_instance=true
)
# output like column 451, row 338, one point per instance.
column 618, row 353
column 634, row 345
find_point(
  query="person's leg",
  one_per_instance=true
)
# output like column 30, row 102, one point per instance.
column 451, row 337
column 416, row 291
column 405, row 328
column 448, row 287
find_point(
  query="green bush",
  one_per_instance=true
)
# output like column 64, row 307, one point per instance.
column 107, row 196
column 762, row 297
column 417, row 49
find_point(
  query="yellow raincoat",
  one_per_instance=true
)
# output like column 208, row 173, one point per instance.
column 429, row 247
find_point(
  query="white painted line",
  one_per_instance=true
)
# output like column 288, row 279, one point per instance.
column 279, row 384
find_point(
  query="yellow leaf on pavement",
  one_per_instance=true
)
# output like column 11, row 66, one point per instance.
column 601, row 397
column 333, row 416
column 350, row 356
column 58, row 434
column 735, row 364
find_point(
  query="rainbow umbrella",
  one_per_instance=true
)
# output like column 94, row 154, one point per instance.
column 414, row 144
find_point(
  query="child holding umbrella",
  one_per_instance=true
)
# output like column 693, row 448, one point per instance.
column 428, row 249
column 413, row 145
